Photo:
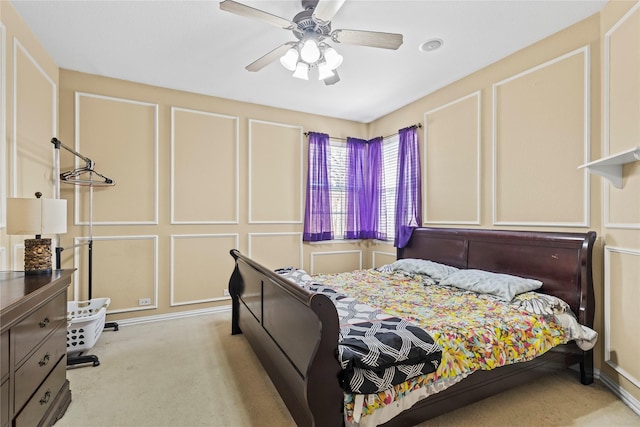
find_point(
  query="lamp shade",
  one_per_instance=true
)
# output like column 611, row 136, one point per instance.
column 36, row 216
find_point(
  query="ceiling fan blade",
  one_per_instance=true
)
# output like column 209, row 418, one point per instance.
column 267, row 59
column 325, row 10
column 333, row 79
column 367, row 38
column 250, row 12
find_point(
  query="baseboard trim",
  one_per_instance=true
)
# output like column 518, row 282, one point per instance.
column 171, row 316
column 623, row 394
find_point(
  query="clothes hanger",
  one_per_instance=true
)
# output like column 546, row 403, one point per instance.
column 78, row 176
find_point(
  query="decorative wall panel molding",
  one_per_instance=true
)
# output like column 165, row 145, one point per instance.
column 275, row 157
column 35, row 121
column 4, row 173
column 621, row 112
column 3, row 259
column 200, row 267
column 452, row 138
column 204, row 149
column 125, row 269
column 17, row 257
column 127, row 154
column 620, row 289
column 340, row 261
column 276, row 250
column 380, row 258
column 529, row 109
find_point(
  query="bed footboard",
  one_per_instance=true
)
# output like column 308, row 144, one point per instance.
column 294, row 333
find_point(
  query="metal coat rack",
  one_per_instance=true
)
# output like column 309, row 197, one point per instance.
column 89, row 177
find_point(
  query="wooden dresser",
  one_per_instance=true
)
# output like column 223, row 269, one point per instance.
column 34, row 390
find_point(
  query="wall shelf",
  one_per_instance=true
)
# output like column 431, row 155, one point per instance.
column 611, row 167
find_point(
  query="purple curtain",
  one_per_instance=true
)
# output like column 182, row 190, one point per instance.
column 366, row 211
column 409, row 196
column 377, row 215
column 317, row 216
column 357, row 219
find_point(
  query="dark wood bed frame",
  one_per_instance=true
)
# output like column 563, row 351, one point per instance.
column 294, row 332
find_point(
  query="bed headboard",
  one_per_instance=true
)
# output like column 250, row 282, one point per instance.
column 562, row 261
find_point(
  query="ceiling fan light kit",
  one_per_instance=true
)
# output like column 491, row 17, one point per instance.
column 321, row 55
column 311, row 27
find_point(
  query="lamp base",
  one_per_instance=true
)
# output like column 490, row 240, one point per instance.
column 37, row 256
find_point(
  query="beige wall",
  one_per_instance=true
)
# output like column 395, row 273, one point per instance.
column 540, row 114
column 620, row 228
column 28, row 119
column 197, row 175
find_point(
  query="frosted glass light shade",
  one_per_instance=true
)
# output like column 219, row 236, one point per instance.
column 302, row 71
column 310, row 51
column 332, row 58
column 36, row 216
column 324, row 72
column 290, row 59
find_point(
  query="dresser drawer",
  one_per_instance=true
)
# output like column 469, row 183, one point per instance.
column 43, row 398
column 4, row 404
column 4, row 355
column 31, row 330
column 32, row 372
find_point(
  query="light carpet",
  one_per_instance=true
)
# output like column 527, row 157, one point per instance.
column 191, row 372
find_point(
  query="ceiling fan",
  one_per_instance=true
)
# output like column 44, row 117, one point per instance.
column 312, row 29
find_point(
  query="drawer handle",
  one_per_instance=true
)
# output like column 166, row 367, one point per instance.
column 45, row 360
column 44, row 323
column 46, row 398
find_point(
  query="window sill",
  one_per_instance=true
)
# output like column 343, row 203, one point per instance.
column 335, row 241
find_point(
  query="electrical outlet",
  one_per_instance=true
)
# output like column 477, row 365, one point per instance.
column 226, row 292
column 144, row 301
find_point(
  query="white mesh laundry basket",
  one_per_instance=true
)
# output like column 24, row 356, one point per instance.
column 86, row 322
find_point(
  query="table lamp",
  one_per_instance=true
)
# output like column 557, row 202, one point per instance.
column 36, row 216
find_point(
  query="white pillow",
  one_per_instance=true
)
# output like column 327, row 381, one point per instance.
column 420, row 266
column 543, row 304
column 503, row 286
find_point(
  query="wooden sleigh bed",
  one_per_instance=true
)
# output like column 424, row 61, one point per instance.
column 294, row 332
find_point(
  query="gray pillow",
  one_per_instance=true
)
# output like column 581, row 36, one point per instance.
column 420, row 266
column 503, row 286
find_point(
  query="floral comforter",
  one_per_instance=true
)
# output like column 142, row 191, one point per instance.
column 475, row 331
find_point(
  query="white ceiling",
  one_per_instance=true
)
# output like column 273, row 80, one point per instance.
column 196, row 47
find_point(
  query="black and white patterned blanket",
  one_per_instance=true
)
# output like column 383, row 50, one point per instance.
column 376, row 351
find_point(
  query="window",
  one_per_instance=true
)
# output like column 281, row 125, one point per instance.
column 390, row 173
column 353, row 189
column 338, row 185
